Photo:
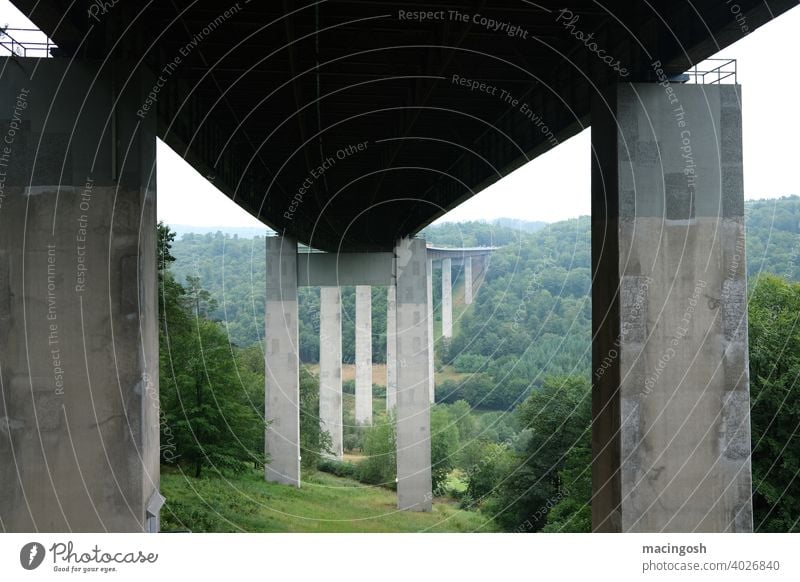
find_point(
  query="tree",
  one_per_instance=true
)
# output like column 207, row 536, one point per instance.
column 380, row 449
column 462, row 417
column 166, row 237
column 314, row 442
column 444, row 445
column 572, row 511
column 557, row 416
column 487, row 464
column 214, row 413
column 199, row 301
column 774, row 330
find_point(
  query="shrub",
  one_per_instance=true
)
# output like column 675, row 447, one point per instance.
column 379, row 446
column 339, row 468
column 444, row 444
column 467, row 363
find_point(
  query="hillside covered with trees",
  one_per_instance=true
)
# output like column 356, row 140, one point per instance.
column 511, row 425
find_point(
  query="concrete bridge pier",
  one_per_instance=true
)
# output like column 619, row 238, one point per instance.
column 413, row 388
column 447, row 298
column 330, row 366
column 468, row 280
column 363, row 354
column 282, row 363
column 391, row 347
column 79, row 428
column 429, row 318
column 671, row 430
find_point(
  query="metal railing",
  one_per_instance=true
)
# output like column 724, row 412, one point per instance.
column 713, row 72
column 25, row 42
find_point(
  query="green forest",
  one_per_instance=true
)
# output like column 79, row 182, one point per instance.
column 510, row 428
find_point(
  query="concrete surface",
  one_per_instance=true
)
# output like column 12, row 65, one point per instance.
column 447, row 298
column 672, row 430
column 391, row 347
column 330, row 366
column 363, row 332
column 79, row 413
column 413, row 388
column 282, row 363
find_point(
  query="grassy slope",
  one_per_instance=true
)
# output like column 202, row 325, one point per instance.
column 247, row 503
column 325, row 503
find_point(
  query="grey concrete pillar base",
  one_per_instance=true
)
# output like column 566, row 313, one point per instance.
column 414, row 490
column 282, row 363
column 671, row 432
column 79, row 429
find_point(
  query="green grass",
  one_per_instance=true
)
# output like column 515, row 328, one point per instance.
column 324, row 503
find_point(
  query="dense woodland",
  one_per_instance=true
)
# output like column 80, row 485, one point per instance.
column 511, row 424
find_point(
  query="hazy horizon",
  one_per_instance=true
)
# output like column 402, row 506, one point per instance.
column 181, row 228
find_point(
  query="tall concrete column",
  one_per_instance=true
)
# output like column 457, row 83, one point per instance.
column 413, row 401
column 671, row 431
column 478, row 272
column 330, row 366
column 468, row 280
column 282, row 363
column 429, row 318
column 363, row 354
column 79, row 415
column 391, row 347
column 447, row 299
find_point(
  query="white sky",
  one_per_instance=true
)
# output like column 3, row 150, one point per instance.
column 556, row 185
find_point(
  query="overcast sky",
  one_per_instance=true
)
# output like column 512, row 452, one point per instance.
column 556, row 185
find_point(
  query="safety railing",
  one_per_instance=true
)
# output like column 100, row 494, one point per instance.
column 713, row 72
column 25, row 42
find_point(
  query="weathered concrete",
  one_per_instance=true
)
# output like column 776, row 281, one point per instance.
column 282, row 363
column 391, row 347
column 447, row 298
column 363, row 354
column 79, row 416
column 671, row 436
column 413, row 402
column 330, row 366
column 468, row 280
column 429, row 318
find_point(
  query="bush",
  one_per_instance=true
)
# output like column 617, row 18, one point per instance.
column 492, row 462
column 314, row 442
column 352, row 434
column 448, row 392
column 444, row 444
column 339, row 468
column 379, row 446
column 467, row 363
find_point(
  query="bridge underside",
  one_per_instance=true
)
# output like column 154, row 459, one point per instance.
column 341, row 126
column 346, row 124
